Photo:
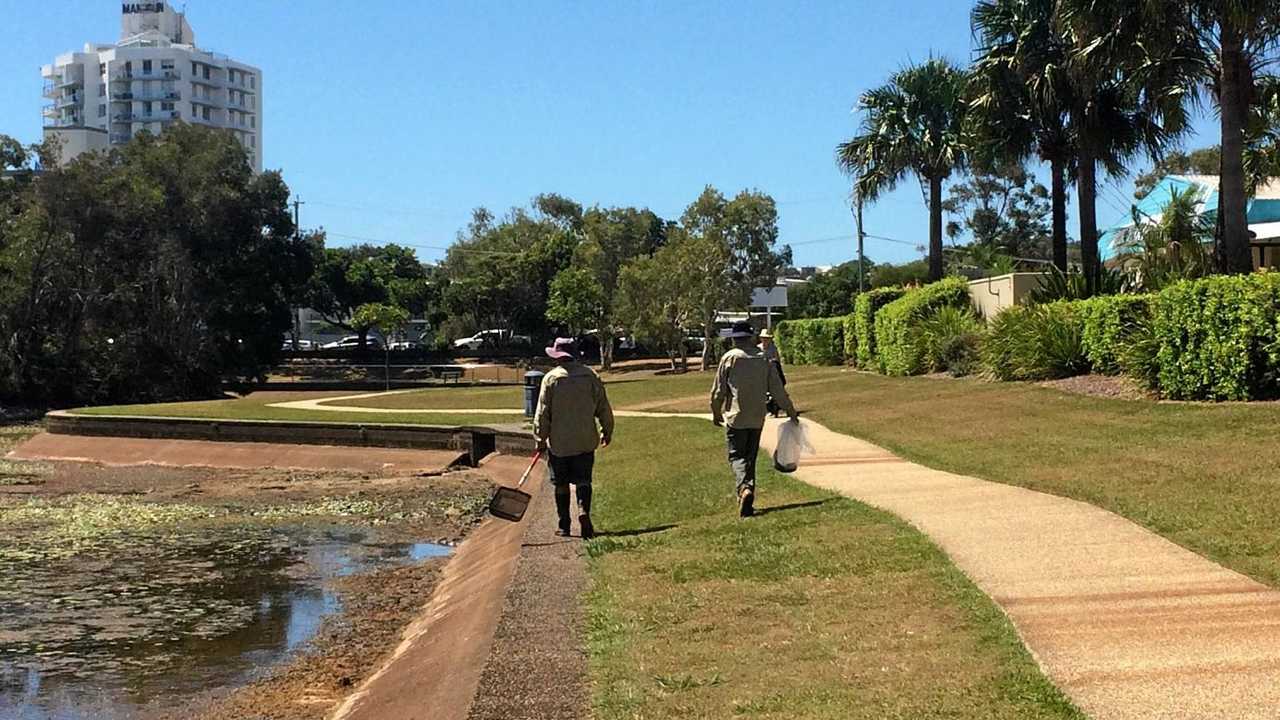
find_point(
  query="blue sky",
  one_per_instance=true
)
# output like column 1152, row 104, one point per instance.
column 392, row 120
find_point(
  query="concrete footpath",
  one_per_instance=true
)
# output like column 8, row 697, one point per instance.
column 1128, row 624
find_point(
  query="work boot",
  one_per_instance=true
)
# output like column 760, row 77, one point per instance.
column 746, row 502
column 584, row 507
column 562, row 510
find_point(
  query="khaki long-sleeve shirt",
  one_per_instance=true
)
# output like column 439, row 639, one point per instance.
column 571, row 402
column 744, row 380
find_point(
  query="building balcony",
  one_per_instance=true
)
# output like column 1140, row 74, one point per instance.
column 64, row 122
column 154, row 116
column 164, row 96
column 211, row 102
column 209, row 81
column 68, row 100
column 130, row 75
column 65, row 81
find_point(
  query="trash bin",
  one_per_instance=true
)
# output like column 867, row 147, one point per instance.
column 532, row 387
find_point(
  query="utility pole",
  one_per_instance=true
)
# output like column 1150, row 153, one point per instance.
column 857, row 214
column 297, row 222
column 297, row 235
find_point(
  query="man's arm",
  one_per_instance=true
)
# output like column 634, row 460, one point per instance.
column 779, row 392
column 604, row 413
column 542, row 416
column 720, row 391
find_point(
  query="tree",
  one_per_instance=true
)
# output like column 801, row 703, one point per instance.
column 723, row 250
column 827, row 295
column 387, row 319
column 1216, row 45
column 912, row 125
column 155, row 271
column 350, row 277
column 651, row 304
column 612, row 238
column 1003, row 209
column 915, row 272
column 578, row 301
column 1205, row 161
column 1161, row 251
column 499, row 273
column 1023, row 95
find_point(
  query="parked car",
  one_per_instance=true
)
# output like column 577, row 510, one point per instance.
column 491, row 338
column 302, row 345
column 352, row 342
column 404, row 345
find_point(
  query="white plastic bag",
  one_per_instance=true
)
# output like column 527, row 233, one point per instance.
column 793, row 443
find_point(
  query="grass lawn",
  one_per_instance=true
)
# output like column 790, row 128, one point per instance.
column 818, row 608
column 1205, row 476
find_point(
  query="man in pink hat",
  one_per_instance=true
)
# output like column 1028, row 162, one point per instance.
column 571, row 403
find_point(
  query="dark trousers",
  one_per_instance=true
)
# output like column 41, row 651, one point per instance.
column 571, row 470
column 744, row 447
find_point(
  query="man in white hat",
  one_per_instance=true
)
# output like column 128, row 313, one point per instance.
column 769, row 349
column 744, row 382
column 572, row 400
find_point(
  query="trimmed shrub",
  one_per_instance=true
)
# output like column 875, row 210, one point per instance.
column 951, row 338
column 1036, row 342
column 864, row 323
column 1109, row 321
column 1140, row 355
column 850, row 323
column 819, row 341
column 784, row 336
column 1218, row 338
column 900, row 339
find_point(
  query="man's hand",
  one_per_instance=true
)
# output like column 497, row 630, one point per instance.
column 542, row 445
column 718, row 421
column 605, row 440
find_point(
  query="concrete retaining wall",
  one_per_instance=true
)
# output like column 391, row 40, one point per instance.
column 477, row 442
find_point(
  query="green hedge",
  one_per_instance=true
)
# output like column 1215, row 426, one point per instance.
column 850, row 323
column 1218, row 338
column 1109, row 321
column 819, row 341
column 864, row 318
column 899, row 333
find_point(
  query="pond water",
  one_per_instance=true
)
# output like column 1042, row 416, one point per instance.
column 98, row 636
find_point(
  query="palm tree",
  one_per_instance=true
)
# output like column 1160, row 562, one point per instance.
column 1216, row 45
column 1119, row 107
column 912, row 125
column 1023, row 95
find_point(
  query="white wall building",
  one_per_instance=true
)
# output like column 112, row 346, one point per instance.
column 154, row 76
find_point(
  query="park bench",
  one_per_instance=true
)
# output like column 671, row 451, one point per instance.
column 448, row 372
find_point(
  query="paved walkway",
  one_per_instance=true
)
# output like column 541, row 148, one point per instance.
column 322, row 405
column 1128, row 624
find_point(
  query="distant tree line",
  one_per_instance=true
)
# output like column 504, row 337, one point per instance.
column 158, row 270
column 165, row 268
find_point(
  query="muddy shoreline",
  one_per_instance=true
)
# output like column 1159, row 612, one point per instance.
column 148, row 579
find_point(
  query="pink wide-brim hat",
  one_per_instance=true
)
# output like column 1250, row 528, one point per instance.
column 562, row 349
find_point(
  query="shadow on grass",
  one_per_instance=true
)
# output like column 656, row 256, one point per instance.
column 793, row 506
column 636, row 532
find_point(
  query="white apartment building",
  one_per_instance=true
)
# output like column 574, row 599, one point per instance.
column 154, row 76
